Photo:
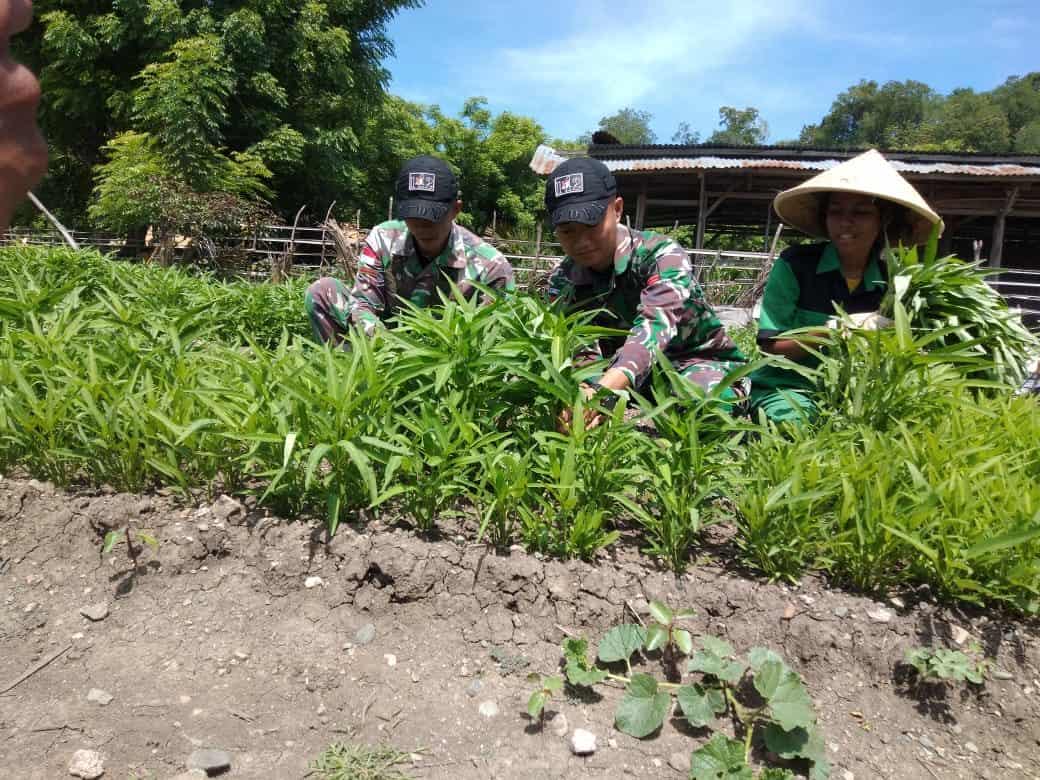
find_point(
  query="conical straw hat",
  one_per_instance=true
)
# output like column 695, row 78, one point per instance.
column 867, row 174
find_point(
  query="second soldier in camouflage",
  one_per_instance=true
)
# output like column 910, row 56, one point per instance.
column 642, row 280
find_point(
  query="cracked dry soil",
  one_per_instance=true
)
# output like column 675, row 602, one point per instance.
column 219, row 642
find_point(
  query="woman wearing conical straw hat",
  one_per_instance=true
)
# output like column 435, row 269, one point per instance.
column 858, row 206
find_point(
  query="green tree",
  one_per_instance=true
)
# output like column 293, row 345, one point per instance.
column 971, row 122
column 740, row 127
column 293, row 84
column 1027, row 139
column 1019, row 97
column 628, row 125
column 868, row 115
column 685, row 136
column 491, row 154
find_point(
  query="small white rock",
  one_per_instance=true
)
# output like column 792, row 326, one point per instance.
column 959, row 635
column 897, row 602
column 847, row 775
column 99, row 696
column 313, row 582
column 583, row 743
column 971, row 747
column 86, row 764
column 880, row 615
column 488, row 709
column 390, row 658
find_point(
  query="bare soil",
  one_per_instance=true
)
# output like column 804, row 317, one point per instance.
column 217, row 641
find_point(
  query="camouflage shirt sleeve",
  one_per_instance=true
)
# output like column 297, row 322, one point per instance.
column 368, row 296
column 495, row 271
column 662, row 304
column 561, row 289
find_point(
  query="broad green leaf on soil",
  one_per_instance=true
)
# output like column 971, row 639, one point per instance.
column 576, row 675
column 660, row 612
column 620, row 642
column 536, row 703
column 110, row 541
column 759, row 655
column 796, row 743
column 713, row 660
column 643, row 708
column 656, row 637
column 553, row 684
column 721, row 758
column 683, row 640
column 716, row 646
column 787, row 698
column 700, row 705
column 772, row 773
column 820, row 770
column 579, row 670
column 685, row 614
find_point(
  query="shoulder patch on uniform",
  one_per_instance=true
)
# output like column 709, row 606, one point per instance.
column 422, row 182
column 570, row 184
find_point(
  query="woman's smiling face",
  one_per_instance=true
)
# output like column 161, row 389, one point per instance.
column 853, row 223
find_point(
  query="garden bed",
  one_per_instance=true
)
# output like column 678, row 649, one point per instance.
column 219, row 642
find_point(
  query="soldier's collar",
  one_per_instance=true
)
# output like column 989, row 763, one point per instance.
column 453, row 256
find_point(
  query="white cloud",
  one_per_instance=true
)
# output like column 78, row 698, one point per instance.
column 636, row 54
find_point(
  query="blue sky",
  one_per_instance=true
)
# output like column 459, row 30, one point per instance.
column 569, row 63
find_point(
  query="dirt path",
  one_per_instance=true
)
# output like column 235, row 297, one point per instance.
column 220, row 643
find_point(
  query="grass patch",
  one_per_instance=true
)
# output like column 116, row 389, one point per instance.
column 359, row 762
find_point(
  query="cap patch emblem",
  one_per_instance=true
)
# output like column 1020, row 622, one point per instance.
column 422, row 182
column 570, row 184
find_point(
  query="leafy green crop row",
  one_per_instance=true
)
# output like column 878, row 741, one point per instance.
column 138, row 377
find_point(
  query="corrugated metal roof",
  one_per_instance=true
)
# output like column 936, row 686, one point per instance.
column 718, row 163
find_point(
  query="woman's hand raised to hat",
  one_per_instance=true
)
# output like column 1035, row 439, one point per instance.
column 23, row 153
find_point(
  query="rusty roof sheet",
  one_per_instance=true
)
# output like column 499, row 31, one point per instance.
column 717, row 163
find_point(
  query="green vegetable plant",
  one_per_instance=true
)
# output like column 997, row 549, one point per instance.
column 112, row 538
column 764, row 699
column 943, row 664
column 547, row 687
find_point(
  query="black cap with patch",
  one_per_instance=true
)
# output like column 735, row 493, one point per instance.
column 579, row 190
column 426, row 189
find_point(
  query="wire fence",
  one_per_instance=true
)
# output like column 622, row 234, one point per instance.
column 726, row 276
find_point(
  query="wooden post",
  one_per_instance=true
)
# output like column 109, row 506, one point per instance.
column 702, row 216
column 494, row 223
column 996, row 252
column 946, row 240
column 641, row 208
column 390, row 209
column 996, row 255
column 769, row 225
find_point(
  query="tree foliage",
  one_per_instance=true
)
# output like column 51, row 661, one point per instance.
column 911, row 115
column 628, row 126
column 292, row 84
column 740, row 127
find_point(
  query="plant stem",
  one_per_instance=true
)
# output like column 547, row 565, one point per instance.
column 626, row 680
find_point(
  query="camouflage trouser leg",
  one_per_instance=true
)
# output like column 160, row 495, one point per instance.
column 706, row 374
column 328, row 302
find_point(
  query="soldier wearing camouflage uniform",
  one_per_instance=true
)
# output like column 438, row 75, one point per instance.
column 644, row 281
column 410, row 258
